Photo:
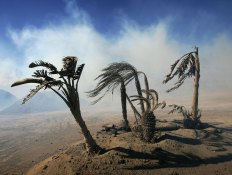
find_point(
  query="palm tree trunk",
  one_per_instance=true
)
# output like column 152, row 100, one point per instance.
column 123, row 101
column 138, row 87
column 91, row 145
column 196, row 85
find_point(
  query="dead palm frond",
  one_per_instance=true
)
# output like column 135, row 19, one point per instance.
column 189, row 121
column 182, row 68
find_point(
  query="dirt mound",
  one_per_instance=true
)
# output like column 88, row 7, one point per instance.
column 181, row 151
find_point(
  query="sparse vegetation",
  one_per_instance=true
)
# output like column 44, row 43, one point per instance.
column 118, row 74
column 65, row 86
column 110, row 79
column 187, row 66
column 146, row 126
column 189, row 121
column 123, row 73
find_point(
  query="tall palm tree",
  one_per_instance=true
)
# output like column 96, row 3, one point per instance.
column 109, row 80
column 187, row 66
column 66, row 87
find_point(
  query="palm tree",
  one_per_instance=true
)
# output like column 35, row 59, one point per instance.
column 66, row 87
column 110, row 80
column 113, row 75
column 129, row 73
column 188, row 122
column 187, row 66
column 146, row 128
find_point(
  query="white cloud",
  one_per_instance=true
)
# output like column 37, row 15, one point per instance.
column 151, row 49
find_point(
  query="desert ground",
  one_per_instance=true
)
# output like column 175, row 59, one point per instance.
column 51, row 143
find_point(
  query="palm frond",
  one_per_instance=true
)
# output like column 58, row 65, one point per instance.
column 182, row 68
column 40, row 73
column 162, row 104
column 180, row 109
column 55, row 83
column 78, row 72
column 49, row 66
column 27, row 80
column 155, row 95
column 33, row 92
column 137, row 97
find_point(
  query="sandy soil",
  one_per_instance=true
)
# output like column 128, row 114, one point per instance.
column 178, row 152
column 27, row 140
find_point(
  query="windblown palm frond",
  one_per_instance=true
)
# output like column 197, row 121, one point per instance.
column 151, row 102
column 34, row 91
column 108, row 82
column 49, row 66
column 182, row 68
column 42, row 74
column 27, row 80
column 180, row 109
column 138, row 98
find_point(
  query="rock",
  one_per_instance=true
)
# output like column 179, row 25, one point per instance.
column 108, row 127
column 45, row 167
column 55, row 157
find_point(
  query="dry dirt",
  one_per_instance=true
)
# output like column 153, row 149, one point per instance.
column 178, row 152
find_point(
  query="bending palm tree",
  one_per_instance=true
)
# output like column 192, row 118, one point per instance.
column 128, row 73
column 111, row 80
column 187, row 66
column 67, row 83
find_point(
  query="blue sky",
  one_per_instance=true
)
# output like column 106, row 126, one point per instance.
column 151, row 34
column 187, row 18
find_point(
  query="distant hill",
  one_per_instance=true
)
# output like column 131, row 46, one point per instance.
column 6, row 99
column 41, row 102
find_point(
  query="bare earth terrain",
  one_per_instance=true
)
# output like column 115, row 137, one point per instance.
column 51, row 144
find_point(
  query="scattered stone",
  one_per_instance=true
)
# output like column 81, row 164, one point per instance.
column 45, row 167
column 55, row 157
column 108, row 127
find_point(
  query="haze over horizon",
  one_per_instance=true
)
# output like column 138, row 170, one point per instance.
column 148, row 34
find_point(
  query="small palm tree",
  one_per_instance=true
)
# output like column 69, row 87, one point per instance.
column 146, row 127
column 187, row 66
column 66, row 87
column 188, row 121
